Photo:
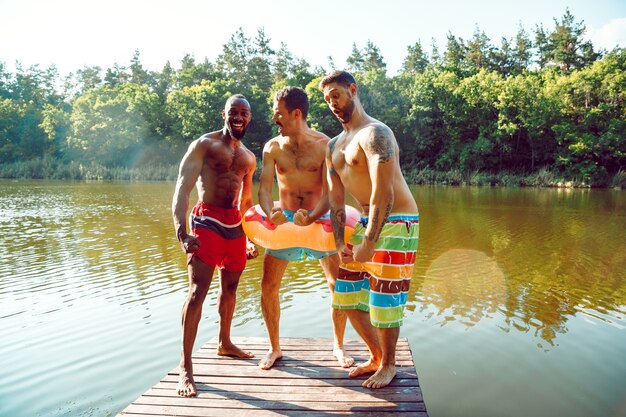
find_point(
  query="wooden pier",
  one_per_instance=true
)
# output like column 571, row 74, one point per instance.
column 306, row 382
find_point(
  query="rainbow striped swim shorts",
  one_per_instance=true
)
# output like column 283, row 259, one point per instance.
column 380, row 286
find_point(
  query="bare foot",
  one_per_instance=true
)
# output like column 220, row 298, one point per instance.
column 381, row 378
column 268, row 361
column 186, row 385
column 364, row 368
column 344, row 360
column 228, row 349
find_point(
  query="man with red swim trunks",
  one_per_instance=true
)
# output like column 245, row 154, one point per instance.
column 221, row 167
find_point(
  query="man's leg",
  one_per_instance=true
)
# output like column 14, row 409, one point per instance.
column 273, row 270
column 387, row 369
column 360, row 320
column 330, row 266
column 200, row 275
column 226, row 300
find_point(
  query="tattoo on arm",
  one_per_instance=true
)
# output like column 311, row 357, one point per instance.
column 338, row 220
column 374, row 234
column 329, row 157
column 381, row 144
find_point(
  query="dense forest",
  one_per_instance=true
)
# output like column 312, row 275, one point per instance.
column 545, row 105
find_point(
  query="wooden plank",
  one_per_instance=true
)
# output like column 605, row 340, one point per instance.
column 346, row 382
column 312, row 389
column 287, row 395
column 160, row 411
column 306, row 382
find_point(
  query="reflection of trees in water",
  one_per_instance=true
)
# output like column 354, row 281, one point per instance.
column 464, row 284
column 536, row 256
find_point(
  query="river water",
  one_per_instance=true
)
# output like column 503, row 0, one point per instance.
column 517, row 306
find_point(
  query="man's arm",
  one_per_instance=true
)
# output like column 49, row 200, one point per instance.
column 379, row 147
column 245, row 196
column 189, row 170
column 336, row 199
column 245, row 202
column 266, row 182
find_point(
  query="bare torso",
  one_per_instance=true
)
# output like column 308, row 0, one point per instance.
column 350, row 163
column 300, row 169
column 224, row 167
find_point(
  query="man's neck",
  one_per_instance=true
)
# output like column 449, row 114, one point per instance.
column 228, row 139
column 358, row 120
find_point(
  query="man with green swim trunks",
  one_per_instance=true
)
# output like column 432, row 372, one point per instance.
column 297, row 156
column 377, row 263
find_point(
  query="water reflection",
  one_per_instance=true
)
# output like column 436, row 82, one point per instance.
column 465, row 284
column 538, row 257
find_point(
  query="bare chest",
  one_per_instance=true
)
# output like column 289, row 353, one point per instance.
column 226, row 161
column 300, row 161
column 348, row 156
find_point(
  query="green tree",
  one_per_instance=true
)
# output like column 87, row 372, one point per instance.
column 416, row 60
column 355, row 61
column 568, row 49
column 109, row 125
column 372, row 59
column 522, row 51
column 454, row 56
column 479, row 51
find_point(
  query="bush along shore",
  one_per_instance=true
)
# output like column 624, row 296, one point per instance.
column 48, row 169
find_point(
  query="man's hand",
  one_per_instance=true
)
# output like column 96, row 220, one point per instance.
column 190, row 244
column 345, row 254
column 301, row 218
column 277, row 216
column 251, row 251
column 363, row 251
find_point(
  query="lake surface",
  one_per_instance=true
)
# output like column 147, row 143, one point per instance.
column 517, row 306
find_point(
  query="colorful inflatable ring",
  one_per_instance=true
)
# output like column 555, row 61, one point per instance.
column 316, row 236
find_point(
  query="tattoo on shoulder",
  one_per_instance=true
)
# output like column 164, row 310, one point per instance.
column 381, row 144
column 332, row 143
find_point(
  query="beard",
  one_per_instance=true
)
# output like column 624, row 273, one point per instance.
column 346, row 112
column 237, row 134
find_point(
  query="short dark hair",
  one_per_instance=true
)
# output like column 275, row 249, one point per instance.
column 294, row 98
column 343, row 78
column 235, row 97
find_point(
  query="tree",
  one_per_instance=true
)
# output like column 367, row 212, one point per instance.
column 110, row 124
column 568, row 50
column 522, row 51
column 355, row 61
column 372, row 59
column 138, row 75
column 503, row 59
column 416, row 60
column 455, row 54
column 88, row 77
column 479, row 50
column 116, row 75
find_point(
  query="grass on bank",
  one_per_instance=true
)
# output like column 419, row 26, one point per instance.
column 51, row 169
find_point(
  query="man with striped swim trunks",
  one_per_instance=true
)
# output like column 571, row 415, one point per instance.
column 377, row 263
column 380, row 285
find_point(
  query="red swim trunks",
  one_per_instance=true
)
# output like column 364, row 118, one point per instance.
column 222, row 240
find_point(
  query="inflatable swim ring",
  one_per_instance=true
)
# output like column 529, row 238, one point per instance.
column 316, row 236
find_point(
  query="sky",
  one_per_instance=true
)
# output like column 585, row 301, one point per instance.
column 72, row 34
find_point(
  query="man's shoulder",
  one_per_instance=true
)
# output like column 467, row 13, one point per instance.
column 318, row 136
column 375, row 129
column 207, row 139
column 273, row 144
